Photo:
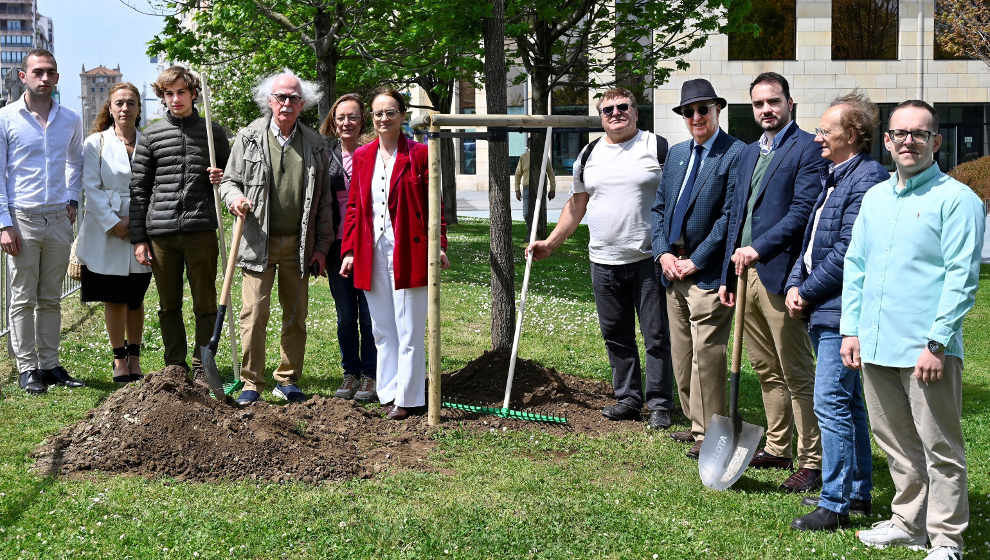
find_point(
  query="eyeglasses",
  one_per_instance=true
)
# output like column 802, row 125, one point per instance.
column 284, row 98
column 621, row 107
column 688, row 112
column 920, row 136
column 387, row 114
column 348, row 118
column 823, row 132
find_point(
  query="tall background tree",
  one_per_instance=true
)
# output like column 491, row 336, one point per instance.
column 601, row 43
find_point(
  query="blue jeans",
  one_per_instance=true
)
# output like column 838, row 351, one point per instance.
column 847, row 466
column 357, row 343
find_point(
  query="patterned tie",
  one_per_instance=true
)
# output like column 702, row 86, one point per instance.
column 680, row 211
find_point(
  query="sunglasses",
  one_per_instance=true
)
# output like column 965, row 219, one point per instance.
column 688, row 112
column 284, row 98
column 621, row 107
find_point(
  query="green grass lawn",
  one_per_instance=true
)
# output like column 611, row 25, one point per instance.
column 492, row 495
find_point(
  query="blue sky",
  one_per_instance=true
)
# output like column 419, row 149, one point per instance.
column 94, row 32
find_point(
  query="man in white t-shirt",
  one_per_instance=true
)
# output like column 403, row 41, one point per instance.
column 614, row 187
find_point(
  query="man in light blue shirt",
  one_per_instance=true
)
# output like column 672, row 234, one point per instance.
column 40, row 181
column 910, row 276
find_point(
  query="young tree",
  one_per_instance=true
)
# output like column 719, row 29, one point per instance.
column 500, row 244
column 598, row 43
column 963, row 28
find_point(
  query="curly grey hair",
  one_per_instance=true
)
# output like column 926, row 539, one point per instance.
column 310, row 91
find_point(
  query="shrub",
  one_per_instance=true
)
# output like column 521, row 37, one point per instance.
column 976, row 174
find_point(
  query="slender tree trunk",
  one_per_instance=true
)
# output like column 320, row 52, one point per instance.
column 500, row 251
column 541, row 106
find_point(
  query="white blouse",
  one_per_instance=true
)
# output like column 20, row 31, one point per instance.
column 107, row 194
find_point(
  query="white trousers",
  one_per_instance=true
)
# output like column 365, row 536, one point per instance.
column 398, row 321
column 36, row 275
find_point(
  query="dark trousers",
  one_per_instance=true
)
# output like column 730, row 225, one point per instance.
column 622, row 292
column 354, row 335
column 196, row 253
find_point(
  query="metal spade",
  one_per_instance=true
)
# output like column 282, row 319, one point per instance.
column 730, row 443
column 207, row 354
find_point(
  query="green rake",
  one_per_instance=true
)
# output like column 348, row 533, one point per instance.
column 505, row 411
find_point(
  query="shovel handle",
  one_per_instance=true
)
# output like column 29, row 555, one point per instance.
column 737, row 337
column 228, row 275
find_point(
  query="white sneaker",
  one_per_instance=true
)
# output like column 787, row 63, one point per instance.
column 944, row 553
column 886, row 533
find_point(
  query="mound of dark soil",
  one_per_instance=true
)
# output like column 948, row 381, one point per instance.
column 535, row 389
column 169, row 426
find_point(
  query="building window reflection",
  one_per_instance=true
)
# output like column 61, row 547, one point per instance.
column 776, row 38
column 864, row 29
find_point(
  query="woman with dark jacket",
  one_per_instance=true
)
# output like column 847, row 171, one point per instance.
column 384, row 249
column 814, row 291
column 173, row 217
column 354, row 334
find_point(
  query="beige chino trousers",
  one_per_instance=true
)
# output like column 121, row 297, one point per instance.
column 699, row 334
column 293, row 295
column 918, row 425
column 780, row 351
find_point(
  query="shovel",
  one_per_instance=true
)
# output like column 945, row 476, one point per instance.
column 729, row 442
column 207, row 354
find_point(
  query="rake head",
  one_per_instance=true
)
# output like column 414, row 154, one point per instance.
column 506, row 413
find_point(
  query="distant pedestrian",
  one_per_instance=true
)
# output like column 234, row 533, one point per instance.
column 522, row 184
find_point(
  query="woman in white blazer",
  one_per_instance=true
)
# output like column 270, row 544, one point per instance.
column 110, row 272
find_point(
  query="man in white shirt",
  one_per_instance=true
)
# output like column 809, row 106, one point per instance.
column 41, row 159
column 615, row 184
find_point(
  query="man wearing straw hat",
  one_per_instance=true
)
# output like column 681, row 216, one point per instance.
column 278, row 180
column 173, row 221
column 615, row 184
column 689, row 224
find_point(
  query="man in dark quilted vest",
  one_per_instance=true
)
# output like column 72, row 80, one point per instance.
column 173, row 219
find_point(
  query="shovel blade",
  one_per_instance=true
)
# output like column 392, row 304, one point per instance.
column 212, row 373
column 724, row 453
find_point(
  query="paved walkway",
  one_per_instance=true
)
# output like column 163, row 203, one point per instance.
column 474, row 204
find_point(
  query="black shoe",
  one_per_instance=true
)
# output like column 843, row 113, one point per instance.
column 820, row 520
column 659, row 420
column 31, row 381
column 764, row 460
column 58, row 376
column 856, row 507
column 695, row 450
column 620, row 411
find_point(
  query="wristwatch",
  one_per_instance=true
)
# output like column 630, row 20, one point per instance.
column 935, row 347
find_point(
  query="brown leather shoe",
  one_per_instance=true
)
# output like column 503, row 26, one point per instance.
column 387, row 409
column 804, row 480
column 764, row 460
column 684, row 436
column 695, row 450
column 397, row 413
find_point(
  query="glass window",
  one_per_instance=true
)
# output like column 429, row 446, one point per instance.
column 467, row 148
column 776, row 39
column 941, row 53
column 569, row 98
column 964, row 130
column 14, row 24
column 742, row 125
column 864, row 29
column 878, row 151
column 516, row 97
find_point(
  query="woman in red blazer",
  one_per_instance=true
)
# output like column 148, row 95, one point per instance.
column 384, row 249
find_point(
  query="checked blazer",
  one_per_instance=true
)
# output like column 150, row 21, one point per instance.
column 707, row 219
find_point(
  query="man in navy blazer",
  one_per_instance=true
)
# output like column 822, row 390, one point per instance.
column 689, row 224
column 779, row 181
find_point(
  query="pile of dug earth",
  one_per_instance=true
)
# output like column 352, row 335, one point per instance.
column 169, row 426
